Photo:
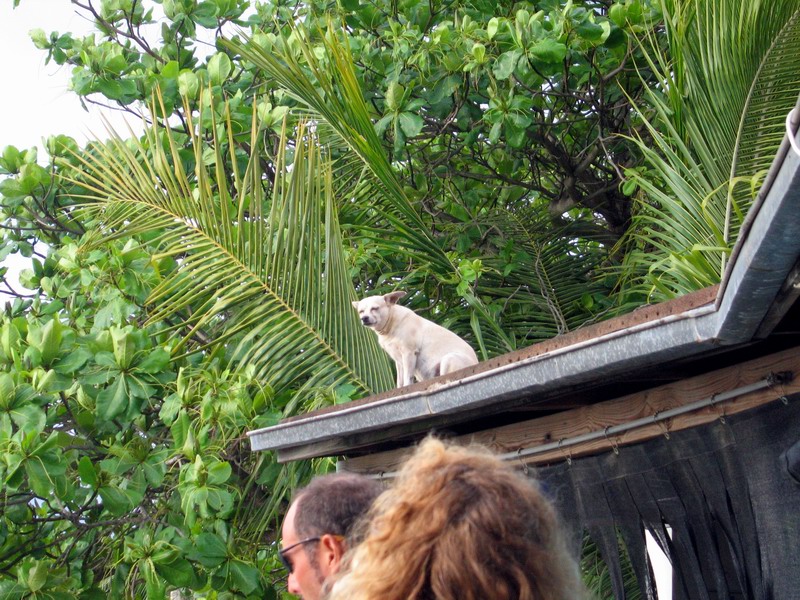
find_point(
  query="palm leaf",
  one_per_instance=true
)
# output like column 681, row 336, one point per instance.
column 328, row 90
column 730, row 74
column 263, row 277
column 772, row 94
column 551, row 288
column 596, row 574
column 542, row 299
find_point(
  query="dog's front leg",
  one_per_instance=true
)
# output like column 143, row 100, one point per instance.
column 398, row 366
column 409, row 367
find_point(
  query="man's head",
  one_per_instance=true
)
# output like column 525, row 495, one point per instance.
column 319, row 524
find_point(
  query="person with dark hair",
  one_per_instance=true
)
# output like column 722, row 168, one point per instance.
column 459, row 524
column 319, row 526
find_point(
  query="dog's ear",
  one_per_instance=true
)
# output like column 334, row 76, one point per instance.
column 355, row 304
column 393, row 297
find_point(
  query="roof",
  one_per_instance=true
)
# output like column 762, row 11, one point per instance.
column 760, row 286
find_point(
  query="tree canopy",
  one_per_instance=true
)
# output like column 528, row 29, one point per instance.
column 521, row 169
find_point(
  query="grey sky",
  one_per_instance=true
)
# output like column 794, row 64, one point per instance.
column 36, row 102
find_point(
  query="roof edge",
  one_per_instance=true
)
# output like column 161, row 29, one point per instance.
column 763, row 258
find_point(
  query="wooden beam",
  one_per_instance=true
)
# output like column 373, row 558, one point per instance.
column 568, row 424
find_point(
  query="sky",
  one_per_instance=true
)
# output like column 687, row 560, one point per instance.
column 35, row 101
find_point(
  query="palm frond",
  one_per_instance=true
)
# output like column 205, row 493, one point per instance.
column 730, row 74
column 263, row 277
column 328, row 90
column 553, row 277
column 772, row 94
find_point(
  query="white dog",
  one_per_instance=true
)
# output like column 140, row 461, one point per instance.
column 418, row 347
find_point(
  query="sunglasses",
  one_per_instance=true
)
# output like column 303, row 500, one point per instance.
column 283, row 552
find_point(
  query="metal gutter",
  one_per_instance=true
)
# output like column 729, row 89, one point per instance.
column 761, row 262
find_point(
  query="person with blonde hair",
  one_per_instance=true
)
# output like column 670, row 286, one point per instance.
column 459, row 524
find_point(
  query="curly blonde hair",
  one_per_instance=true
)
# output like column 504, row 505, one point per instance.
column 459, row 524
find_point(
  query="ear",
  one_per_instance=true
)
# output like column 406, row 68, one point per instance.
column 331, row 552
column 355, row 304
column 393, row 297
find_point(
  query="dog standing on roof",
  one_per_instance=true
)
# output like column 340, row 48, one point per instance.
column 420, row 348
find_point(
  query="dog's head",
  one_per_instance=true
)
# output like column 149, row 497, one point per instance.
column 374, row 311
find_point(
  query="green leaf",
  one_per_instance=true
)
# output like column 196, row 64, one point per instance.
column 410, row 123
column 115, row 500
column 37, row 576
column 155, row 362
column 106, row 359
column 479, row 53
column 492, row 26
column 245, row 576
column 549, row 51
column 51, row 340
column 205, row 14
column 15, row 471
column 383, row 123
column 87, row 471
column 219, row 67
column 177, row 572
column 494, row 133
column 209, row 550
column 506, row 63
column 592, row 32
column 113, row 400
column 169, row 409
column 188, row 84
column 72, row 362
column 39, row 38
column 180, row 429
column 219, row 473
column 170, row 70
column 7, row 388
column 13, row 590
column 154, row 472
column 124, row 347
column 618, row 14
column 122, row 90
column 29, row 417
column 394, row 96
column 634, row 12
column 45, row 474
column 9, row 336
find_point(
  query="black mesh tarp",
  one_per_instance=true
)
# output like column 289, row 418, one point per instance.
column 725, row 490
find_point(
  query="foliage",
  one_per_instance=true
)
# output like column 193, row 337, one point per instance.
column 265, row 279
column 729, row 74
column 480, row 112
column 597, row 575
column 516, row 239
column 481, row 98
column 123, row 472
